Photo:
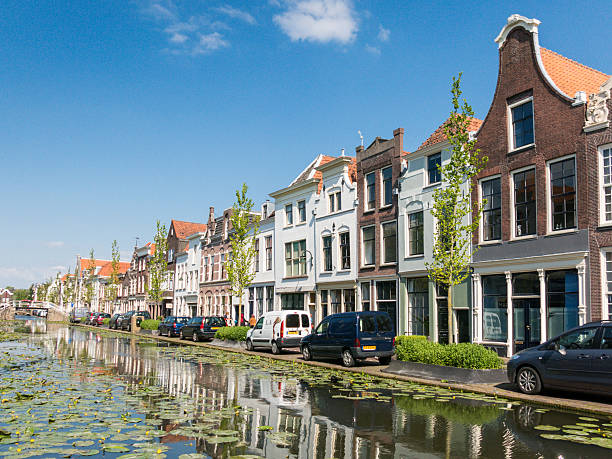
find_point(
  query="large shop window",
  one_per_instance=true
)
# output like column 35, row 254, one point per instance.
column 495, row 308
column 336, row 301
column 418, row 301
column 562, row 299
column 563, row 194
column 349, row 300
column 292, row 301
column 524, row 203
column 386, row 298
column 491, row 209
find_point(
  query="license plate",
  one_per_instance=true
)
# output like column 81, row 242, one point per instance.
column 214, row 328
column 293, row 333
column 369, row 348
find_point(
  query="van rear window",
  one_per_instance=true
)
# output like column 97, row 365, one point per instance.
column 367, row 324
column 292, row 321
column 305, row 321
column 215, row 321
column 384, row 323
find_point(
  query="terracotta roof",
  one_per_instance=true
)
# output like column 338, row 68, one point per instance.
column 86, row 264
column 571, row 76
column 439, row 135
column 352, row 170
column 185, row 229
column 107, row 269
column 318, row 175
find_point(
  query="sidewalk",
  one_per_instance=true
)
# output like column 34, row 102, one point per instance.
column 373, row 368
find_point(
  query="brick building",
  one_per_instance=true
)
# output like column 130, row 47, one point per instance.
column 531, row 271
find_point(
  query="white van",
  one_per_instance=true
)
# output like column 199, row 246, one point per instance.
column 277, row 330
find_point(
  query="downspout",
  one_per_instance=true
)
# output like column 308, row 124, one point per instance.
column 314, row 230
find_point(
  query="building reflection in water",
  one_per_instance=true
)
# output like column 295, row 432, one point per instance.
column 323, row 426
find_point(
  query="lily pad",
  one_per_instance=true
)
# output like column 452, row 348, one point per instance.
column 547, row 428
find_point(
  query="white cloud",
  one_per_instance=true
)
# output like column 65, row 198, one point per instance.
column 160, row 9
column 236, row 14
column 22, row 277
column 372, row 50
column 319, row 21
column 383, row 34
column 54, row 244
column 211, row 42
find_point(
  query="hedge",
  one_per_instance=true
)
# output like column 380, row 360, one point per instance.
column 232, row 333
column 106, row 321
column 149, row 324
column 462, row 355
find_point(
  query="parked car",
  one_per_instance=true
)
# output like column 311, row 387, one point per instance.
column 125, row 321
column 112, row 323
column 100, row 318
column 171, row 325
column 352, row 336
column 577, row 360
column 202, row 328
column 278, row 330
column 89, row 319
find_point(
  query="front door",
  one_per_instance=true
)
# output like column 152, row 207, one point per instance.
column 526, row 323
column 442, row 321
column 463, row 325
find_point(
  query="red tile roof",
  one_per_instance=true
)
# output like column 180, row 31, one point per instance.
column 439, row 135
column 352, row 170
column 86, row 264
column 571, row 76
column 318, row 175
column 107, row 269
column 186, row 229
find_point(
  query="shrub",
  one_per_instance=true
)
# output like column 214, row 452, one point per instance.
column 232, row 333
column 149, row 324
column 462, row 355
column 83, row 319
column 106, row 321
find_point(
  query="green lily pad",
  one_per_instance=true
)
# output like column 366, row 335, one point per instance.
column 265, row 428
column 547, row 428
column 216, row 440
column 115, row 448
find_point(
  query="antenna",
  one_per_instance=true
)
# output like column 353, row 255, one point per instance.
column 342, row 154
column 361, row 137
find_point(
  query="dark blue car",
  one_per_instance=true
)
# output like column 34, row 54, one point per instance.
column 171, row 325
column 351, row 336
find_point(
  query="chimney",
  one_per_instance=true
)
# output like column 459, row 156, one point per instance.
column 211, row 213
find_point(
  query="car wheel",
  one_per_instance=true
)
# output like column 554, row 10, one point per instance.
column 528, row 381
column 275, row 349
column 347, row 358
column 194, row 337
column 249, row 345
column 306, row 354
column 384, row 360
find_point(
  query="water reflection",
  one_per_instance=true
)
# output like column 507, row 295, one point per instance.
column 316, row 420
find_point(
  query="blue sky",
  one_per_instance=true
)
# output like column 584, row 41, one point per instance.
column 117, row 113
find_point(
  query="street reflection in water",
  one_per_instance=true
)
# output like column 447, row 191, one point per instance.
column 264, row 408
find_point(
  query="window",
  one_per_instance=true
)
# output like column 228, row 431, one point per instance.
column 522, row 124
column 335, row 202
column 335, row 297
column 524, row 203
column 327, row 253
column 170, row 255
column 292, row 320
column 268, row 253
column 387, row 186
column 562, row 299
column 349, row 300
column 495, row 308
column 608, row 280
column 270, row 298
column 368, row 245
column 367, row 324
column 295, row 258
column 386, row 297
column 418, row 302
column 606, row 184
column 433, row 168
column 222, row 263
column 251, row 300
column 302, row 211
column 256, row 255
column 579, row 339
column 563, row 194
column 365, row 296
column 292, row 301
column 370, row 191
column 345, row 251
column 491, row 209
column 324, row 303
column 389, row 231
column 415, row 233
column 264, row 212
column 322, row 328
column 259, row 300
column 289, row 214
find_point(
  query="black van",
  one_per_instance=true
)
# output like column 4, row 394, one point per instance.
column 351, row 336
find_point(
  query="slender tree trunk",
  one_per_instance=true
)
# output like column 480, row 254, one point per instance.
column 450, row 314
column 240, row 311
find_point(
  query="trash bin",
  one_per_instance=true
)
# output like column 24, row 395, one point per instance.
column 134, row 324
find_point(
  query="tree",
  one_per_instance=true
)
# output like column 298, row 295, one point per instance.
column 245, row 226
column 452, row 208
column 158, row 266
column 90, row 273
column 113, row 282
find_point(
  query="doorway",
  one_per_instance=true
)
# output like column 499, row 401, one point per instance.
column 463, row 325
column 526, row 323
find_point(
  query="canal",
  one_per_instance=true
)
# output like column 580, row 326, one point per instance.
column 71, row 392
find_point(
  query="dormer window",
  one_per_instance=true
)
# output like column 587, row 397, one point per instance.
column 522, row 123
column 335, row 202
column 433, row 168
column 264, row 213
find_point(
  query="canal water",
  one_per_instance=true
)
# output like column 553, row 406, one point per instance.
column 71, row 392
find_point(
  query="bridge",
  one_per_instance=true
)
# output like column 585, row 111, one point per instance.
column 43, row 309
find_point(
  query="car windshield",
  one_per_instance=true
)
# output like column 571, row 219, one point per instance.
column 182, row 320
column 195, row 320
column 292, row 321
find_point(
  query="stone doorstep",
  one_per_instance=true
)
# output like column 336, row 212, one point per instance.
column 580, row 406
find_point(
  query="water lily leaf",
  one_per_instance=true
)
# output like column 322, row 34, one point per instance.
column 216, row 440
column 115, row 448
column 88, row 452
column 265, row 428
column 83, row 443
column 584, row 418
column 547, row 428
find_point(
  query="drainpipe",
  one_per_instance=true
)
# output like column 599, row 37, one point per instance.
column 314, row 229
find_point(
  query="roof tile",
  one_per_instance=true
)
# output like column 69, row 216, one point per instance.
column 439, row 135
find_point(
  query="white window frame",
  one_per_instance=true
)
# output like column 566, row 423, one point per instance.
column 362, row 248
column 383, row 262
column 513, row 236
column 382, row 187
column 549, row 229
column 427, row 182
column 602, row 196
column 333, row 200
column 298, row 212
column 605, row 309
column 511, row 146
column 331, row 253
column 287, row 215
column 481, row 239
column 407, row 227
column 365, row 192
column 340, row 234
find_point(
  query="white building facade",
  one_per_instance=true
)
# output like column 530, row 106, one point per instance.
column 187, row 275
